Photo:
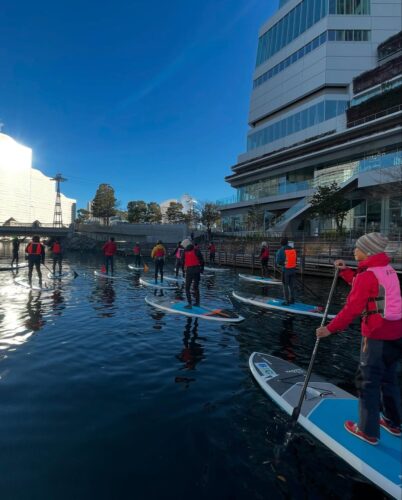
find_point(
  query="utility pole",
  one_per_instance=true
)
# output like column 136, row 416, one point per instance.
column 58, row 216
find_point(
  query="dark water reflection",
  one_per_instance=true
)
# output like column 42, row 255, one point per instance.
column 102, row 396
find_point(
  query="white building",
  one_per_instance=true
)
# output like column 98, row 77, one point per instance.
column 26, row 194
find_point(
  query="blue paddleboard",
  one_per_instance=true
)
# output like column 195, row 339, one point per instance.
column 323, row 413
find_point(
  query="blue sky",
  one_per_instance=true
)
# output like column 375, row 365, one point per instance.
column 150, row 97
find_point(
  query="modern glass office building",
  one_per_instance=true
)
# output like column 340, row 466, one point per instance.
column 325, row 106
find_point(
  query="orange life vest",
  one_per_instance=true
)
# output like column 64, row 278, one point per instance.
column 191, row 259
column 56, row 248
column 290, row 258
column 34, row 249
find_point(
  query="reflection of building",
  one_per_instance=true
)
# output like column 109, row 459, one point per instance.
column 25, row 193
column 325, row 106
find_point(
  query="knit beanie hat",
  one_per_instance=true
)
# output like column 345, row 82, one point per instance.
column 372, row 243
column 185, row 243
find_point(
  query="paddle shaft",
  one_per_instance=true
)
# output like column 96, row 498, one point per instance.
column 296, row 410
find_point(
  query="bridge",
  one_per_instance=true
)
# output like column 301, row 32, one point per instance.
column 30, row 229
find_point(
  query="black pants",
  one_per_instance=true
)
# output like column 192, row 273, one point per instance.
column 264, row 267
column 109, row 260
column 137, row 260
column 179, row 264
column 288, row 282
column 212, row 258
column 57, row 259
column 15, row 258
column 34, row 261
column 377, row 384
column 159, row 263
column 193, row 276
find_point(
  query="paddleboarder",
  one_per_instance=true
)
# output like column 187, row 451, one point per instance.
column 212, row 252
column 194, row 265
column 109, row 251
column 264, row 257
column 36, row 256
column 16, row 247
column 376, row 296
column 57, row 253
column 286, row 257
column 158, row 255
column 178, row 253
column 137, row 254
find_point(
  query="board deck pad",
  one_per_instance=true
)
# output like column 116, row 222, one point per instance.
column 323, row 413
column 150, row 282
column 259, row 279
column 278, row 304
column 174, row 306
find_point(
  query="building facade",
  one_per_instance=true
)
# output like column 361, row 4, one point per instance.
column 26, row 194
column 325, row 107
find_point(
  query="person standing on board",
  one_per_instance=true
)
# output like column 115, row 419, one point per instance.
column 212, row 252
column 36, row 257
column 109, row 251
column 137, row 255
column 158, row 255
column 57, row 255
column 376, row 297
column 178, row 253
column 286, row 257
column 16, row 248
column 194, row 266
column 264, row 257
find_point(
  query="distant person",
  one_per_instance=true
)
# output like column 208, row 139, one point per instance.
column 137, row 254
column 16, row 242
column 264, row 258
column 36, row 257
column 179, row 264
column 57, row 255
column 193, row 266
column 212, row 251
column 192, row 236
column 158, row 255
column 286, row 257
column 109, row 251
column 376, row 297
column 209, row 234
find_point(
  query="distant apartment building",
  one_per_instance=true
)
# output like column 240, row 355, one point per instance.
column 325, row 107
column 26, row 194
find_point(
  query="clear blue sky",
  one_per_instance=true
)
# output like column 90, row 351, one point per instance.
column 149, row 96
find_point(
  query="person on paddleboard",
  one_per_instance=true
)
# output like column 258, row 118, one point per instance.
column 109, row 251
column 212, row 252
column 158, row 255
column 137, row 254
column 36, row 256
column 178, row 254
column 286, row 257
column 193, row 262
column 57, row 253
column 264, row 257
column 376, row 297
column 15, row 250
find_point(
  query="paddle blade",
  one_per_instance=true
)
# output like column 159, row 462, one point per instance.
column 75, row 275
column 146, row 268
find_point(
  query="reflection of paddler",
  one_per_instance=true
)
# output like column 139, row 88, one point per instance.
column 34, row 309
column 192, row 352
column 36, row 257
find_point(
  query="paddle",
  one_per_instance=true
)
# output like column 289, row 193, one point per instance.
column 296, row 410
column 51, row 272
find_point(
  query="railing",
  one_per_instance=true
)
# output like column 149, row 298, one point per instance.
column 29, row 225
column 375, row 116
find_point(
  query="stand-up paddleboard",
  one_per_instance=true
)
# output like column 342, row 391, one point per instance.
column 108, row 276
column 150, row 282
column 57, row 276
column 14, row 268
column 278, row 305
column 177, row 307
column 135, row 268
column 24, row 282
column 323, row 413
column 216, row 269
column 259, row 279
column 178, row 280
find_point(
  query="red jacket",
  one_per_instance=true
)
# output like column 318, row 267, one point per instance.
column 365, row 287
column 109, row 248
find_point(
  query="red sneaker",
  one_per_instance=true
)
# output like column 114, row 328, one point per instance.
column 354, row 429
column 392, row 429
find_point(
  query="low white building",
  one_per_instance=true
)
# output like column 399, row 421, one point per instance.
column 26, row 194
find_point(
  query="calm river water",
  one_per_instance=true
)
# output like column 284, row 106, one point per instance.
column 103, row 397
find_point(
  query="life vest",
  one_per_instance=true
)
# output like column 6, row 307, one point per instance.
column 191, row 259
column 290, row 258
column 56, row 248
column 212, row 248
column 136, row 250
column 265, row 253
column 179, row 253
column 388, row 303
column 34, row 249
column 109, row 248
column 159, row 252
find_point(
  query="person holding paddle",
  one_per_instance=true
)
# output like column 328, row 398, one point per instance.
column 36, row 257
column 194, row 265
column 158, row 254
column 286, row 257
column 376, row 296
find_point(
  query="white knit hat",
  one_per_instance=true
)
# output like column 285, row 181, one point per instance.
column 372, row 243
column 185, row 243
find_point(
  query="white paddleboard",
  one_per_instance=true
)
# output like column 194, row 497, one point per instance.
column 179, row 280
column 216, row 269
column 259, row 279
column 278, row 305
column 57, row 276
column 24, row 282
column 177, row 307
column 135, row 268
column 323, row 413
column 150, row 282
column 108, row 276
column 14, row 268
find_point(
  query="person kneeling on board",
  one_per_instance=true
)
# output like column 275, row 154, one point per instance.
column 36, row 257
column 286, row 257
column 376, row 296
column 194, row 265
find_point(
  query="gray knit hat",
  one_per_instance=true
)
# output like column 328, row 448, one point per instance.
column 372, row 243
column 185, row 243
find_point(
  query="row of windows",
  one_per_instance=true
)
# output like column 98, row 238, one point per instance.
column 379, row 89
column 313, row 115
column 344, row 35
column 300, row 19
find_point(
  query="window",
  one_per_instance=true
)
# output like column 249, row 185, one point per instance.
column 290, row 124
column 331, row 35
column 297, row 122
column 304, row 118
column 340, row 8
column 349, row 35
column 296, row 27
column 314, row 43
column 317, row 10
column 340, row 35
column 330, row 109
column 349, row 7
column 310, row 13
column 332, row 7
